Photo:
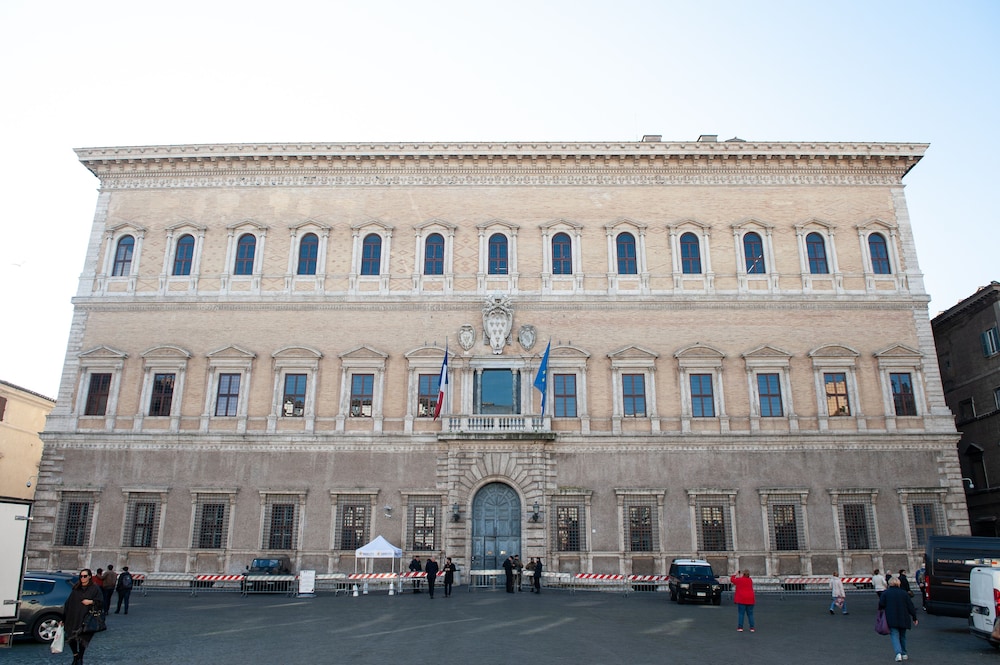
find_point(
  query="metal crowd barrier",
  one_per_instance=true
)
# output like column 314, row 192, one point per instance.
column 335, row 582
column 286, row 584
column 600, row 582
column 485, row 579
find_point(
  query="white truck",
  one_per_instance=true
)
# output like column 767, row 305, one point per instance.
column 984, row 593
column 15, row 515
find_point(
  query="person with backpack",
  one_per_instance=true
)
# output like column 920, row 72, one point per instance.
column 124, row 589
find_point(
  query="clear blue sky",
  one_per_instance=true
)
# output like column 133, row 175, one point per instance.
column 134, row 73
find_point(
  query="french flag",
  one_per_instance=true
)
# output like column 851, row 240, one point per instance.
column 442, row 382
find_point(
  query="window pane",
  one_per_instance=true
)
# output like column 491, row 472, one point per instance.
column 564, row 395
column 123, row 257
column 562, row 255
column 498, row 392
column 371, row 255
column 184, row 255
column 836, row 394
column 246, row 248
column 769, row 392
column 902, row 394
column 294, row 401
column 816, row 249
column 702, row 398
column 753, row 254
column 162, row 395
column 626, row 254
column 228, row 397
column 308, row 254
column 434, row 255
column 362, row 391
column 690, row 254
column 498, row 254
column 97, row 395
column 879, row 252
column 634, row 395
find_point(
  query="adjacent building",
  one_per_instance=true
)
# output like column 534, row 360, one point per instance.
column 22, row 418
column 968, row 344
column 651, row 350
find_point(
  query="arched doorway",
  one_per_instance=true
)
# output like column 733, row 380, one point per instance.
column 496, row 526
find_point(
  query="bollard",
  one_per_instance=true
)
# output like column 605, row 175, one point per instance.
column 355, row 590
column 392, row 588
column 365, row 592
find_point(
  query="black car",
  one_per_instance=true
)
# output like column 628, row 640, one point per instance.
column 694, row 579
column 43, row 595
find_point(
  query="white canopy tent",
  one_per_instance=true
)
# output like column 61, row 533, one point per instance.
column 380, row 548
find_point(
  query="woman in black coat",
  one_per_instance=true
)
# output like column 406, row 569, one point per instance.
column 84, row 595
column 898, row 612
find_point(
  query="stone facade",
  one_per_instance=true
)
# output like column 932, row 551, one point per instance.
column 22, row 418
column 741, row 363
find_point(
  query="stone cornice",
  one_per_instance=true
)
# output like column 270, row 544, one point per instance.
column 501, row 164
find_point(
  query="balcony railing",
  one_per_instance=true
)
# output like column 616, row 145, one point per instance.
column 495, row 424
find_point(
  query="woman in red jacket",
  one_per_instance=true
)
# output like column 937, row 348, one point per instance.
column 743, row 597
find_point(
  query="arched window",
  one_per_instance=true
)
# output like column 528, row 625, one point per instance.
column 498, row 254
column 184, row 254
column 753, row 254
column 308, row 251
column 371, row 254
column 246, row 248
column 816, row 250
column 123, row 257
column 879, row 251
column 626, row 254
column 562, row 255
column 690, row 254
column 434, row 254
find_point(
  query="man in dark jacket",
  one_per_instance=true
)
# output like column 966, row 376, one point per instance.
column 415, row 567
column 898, row 612
column 508, row 569
column 536, row 576
column 431, row 568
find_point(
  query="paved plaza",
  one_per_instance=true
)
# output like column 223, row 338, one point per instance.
column 493, row 627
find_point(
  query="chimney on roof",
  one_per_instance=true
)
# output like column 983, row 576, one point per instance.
column 652, row 138
column 708, row 138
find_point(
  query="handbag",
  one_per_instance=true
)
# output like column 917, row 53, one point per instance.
column 93, row 622
column 58, row 641
column 881, row 625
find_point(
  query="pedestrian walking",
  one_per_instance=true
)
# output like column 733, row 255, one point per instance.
column 109, row 581
column 124, row 589
column 898, row 611
column 878, row 581
column 536, row 576
column 449, row 576
column 431, row 568
column 904, row 583
column 84, row 595
column 508, row 571
column 744, row 598
column 838, row 593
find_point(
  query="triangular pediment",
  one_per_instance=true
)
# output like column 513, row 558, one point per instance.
column 767, row 351
column 633, row 353
column 186, row 225
column 751, row 224
column 231, row 351
column 126, row 226
column 493, row 223
column 363, row 352
column 247, row 224
column 898, row 351
column 689, row 225
column 103, row 352
column 876, row 224
column 373, row 223
column 560, row 224
column 310, row 225
column 815, row 224
column 617, row 224
column 435, row 223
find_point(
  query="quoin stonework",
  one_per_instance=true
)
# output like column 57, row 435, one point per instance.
column 741, row 363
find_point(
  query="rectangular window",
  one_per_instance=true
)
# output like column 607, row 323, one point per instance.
column 991, row 342
column 162, row 396
column 497, row 392
column 923, row 522
column 228, row 396
column 996, row 399
column 210, row 526
column 855, row 525
column 423, row 526
column 966, row 410
column 97, row 395
column 633, row 395
column 74, row 518
column 362, row 391
column 427, row 394
column 293, row 404
column 769, row 393
column 564, row 395
column 3, row 407
column 712, row 527
column 568, row 529
column 785, row 526
column 640, row 527
column 281, row 531
column 352, row 525
column 836, row 394
column 702, row 399
column 141, row 522
column 902, row 394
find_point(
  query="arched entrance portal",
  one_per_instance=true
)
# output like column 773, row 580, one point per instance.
column 496, row 526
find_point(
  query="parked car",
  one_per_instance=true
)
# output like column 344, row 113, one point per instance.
column 693, row 579
column 43, row 595
column 275, row 565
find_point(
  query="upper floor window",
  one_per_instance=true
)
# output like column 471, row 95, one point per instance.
column 162, row 394
column 702, row 397
column 123, row 257
column 690, row 254
column 371, row 254
column 903, row 398
column 564, row 395
column 97, row 394
column 837, row 402
column 769, row 393
column 816, row 250
column 990, row 341
column 434, row 254
column 362, row 395
column 427, row 394
column 498, row 254
column 228, row 395
column 497, row 391
column 634, row 395
column 308, row 254
column 246, row 248
column 627, row 264
column 562, row 254
column 184, row 255
column 879, row 252
column 293, row 402
column 753, row 253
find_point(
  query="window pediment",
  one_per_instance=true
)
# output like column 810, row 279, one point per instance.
column 633, row 353
column 231, row 352
column 374, row 224
column 690, row 225
column 494, row 223
column 623, row 223
column 435, row 224
column 561, row 224
column 297, row 352
column 166, row 352
column 425, row 353
column 899, row 351
column 814, row 224
column 876, row 224
column 697, row 351
column 248, row 224
column 569, row 352
column 767, row 352
column 103, row 352
column 364, row 352
column 186, row 225
column 124, row 227
column 752, row 223
column 833, row 351
column 311, row 225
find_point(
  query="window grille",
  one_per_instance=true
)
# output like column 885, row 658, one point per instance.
column 75, row 511
column 640, row 525
column 857, row 528
column 211, row 522
column 281, row 523
column 423, row 524
column 784, row 514
column 569, row 530
column 142, row 514
column 714, row 529
column 352, row 523
column 926, row 519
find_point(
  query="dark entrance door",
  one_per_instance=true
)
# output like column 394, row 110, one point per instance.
column 496, row 526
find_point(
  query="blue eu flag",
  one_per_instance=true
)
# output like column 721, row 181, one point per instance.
column 541, row 381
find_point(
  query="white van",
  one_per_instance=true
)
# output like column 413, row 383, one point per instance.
column 984, row 592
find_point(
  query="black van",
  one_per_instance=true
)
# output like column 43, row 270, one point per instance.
column 947, row 573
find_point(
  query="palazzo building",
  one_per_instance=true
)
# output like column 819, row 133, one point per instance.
column 741, row 365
